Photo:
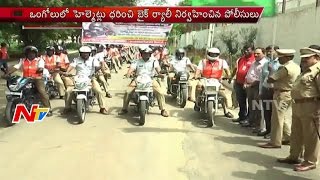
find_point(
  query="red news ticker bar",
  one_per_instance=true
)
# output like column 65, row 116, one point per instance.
column 133, row 14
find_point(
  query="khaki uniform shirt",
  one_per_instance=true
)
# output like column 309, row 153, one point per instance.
column 286, row 76
column 308, row 83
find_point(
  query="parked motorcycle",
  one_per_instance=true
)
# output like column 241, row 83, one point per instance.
column 179, row 88
column 143, row 96
column 208, row 99
column 83, row 96
column 20, row 91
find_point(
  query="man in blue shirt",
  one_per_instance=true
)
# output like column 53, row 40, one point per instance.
column 266, row 89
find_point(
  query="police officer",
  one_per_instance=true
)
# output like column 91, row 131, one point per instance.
column 282, row 80
column 85, row 65
column 32, row 67
column 306, row 113
column 51, row 64
column 179, row 63
column 212, row 67
column 149, row 65
column 99, row 57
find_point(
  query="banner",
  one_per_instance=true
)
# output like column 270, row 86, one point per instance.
column 268, row 11
column 125, row 33
column 176, row 14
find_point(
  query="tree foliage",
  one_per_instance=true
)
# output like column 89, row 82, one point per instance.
column 41, row 38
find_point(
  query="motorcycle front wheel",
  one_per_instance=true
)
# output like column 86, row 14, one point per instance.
column 10, row 108
column 182, row 99
column 81, row 110
column 142, row 112
column 210, row 113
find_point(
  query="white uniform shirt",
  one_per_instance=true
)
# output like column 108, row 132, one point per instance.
column 99, row 57
column 40, row 63
column 180, row 65
column 87, row 67
column 143, row 67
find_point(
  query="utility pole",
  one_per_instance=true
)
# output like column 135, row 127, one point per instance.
column 284, row 3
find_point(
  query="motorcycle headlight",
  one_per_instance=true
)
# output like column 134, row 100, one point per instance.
column 14, row 87
column 143, row 85
column 81, row 85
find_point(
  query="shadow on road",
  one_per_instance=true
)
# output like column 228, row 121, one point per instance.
column 269, row 162
column 238, row 140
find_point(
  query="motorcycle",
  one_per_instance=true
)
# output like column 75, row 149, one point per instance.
column 143, row 96
column 51, row 88
column 83, row 96
column 21, row 91
column 208, row 99
column 179, row 88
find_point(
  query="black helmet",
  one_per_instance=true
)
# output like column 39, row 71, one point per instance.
column 30, row 48
column 60, row 48
column 50, row 48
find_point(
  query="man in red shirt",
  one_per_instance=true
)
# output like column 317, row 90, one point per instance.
column 242, row 67
column 4, row 57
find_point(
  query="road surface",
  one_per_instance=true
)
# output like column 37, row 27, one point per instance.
column 112, row 148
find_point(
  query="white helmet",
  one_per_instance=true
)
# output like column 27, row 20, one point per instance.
column 84, row 49
column 213, row 53
column 93, row 48
column 145, row 48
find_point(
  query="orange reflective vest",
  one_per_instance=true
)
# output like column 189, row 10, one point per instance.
column 63, row 63
column 29, row 68
column 212, row 69
column 4, row 53
column 50, row 62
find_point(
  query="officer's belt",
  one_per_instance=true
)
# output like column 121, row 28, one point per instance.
column 282, row 90
column 306, row 100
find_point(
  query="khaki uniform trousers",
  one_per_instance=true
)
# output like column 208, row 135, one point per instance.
column 44, row 97
column 60, row 85
column 305, row 120
column 102, row 79
column 198, row 90
column 157, row 90
column 281, row 117
column 95, row 87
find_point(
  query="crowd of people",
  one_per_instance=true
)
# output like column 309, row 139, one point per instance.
column 289, row 99
column 289, row 112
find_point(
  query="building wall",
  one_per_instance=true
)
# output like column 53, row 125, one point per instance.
column 293, row 29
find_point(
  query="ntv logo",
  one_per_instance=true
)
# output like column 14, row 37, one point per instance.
column 257, row 104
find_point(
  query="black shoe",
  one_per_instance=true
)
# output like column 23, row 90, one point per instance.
column 108, row 95
column 267, row 136
column 228, row 115
column 61, row 97
column 49, row 114
column 123, row 111
column 196, row 108
column 262, row 133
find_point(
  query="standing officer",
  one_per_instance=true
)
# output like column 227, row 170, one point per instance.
column 283, row 80
column 32, row 67
column 306, row 113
